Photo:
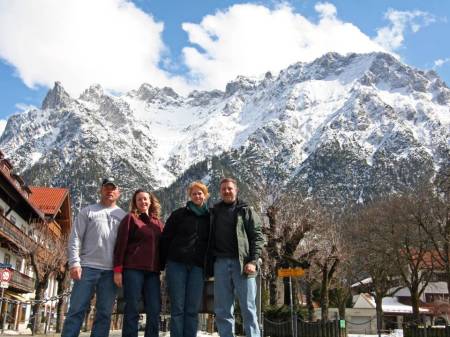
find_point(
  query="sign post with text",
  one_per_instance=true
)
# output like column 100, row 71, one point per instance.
column 291, row 272
column 5, row 276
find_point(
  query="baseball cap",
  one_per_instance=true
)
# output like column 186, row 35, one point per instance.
column 109, row 181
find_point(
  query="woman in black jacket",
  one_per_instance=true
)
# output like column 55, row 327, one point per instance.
column 183, row 245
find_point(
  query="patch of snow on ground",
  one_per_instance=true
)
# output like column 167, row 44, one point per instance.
column 394, row 333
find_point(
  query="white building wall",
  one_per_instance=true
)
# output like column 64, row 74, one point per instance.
column 26, row 269
column 24, row 226
column 14, row 259
column 361, row 320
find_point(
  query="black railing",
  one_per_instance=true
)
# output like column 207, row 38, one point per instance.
column 420, row 331
column 305, row 329
column 320, row 329
column 277, row 329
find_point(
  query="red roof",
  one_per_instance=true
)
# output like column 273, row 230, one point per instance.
column 48, row 199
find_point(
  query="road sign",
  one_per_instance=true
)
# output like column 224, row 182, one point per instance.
column 4, row 284
column 293, row 272
column 5, row 275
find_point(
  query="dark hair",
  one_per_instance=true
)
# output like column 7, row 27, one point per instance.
column 228, row 180
column 155, row 206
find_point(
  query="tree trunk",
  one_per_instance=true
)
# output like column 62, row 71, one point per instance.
column 447, row 267
column 415, row 307
column 341, row 308
column 287, row 292
column 63, row 284
column 273, row 290
column 324, row 298
column 273, row 254
column 294, row 293
column 309, row 301
column 448, row 280
column 40, row 289
column 379, row 311
column 340, row 296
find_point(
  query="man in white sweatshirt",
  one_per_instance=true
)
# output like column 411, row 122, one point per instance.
column 90, row 249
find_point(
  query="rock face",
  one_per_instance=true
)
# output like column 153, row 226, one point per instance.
column 342, row 128
column 57, row 98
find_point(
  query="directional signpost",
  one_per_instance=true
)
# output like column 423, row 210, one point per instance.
column 291, row 272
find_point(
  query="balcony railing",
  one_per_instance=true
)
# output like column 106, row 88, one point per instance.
column 13, row 233
column 21, row 282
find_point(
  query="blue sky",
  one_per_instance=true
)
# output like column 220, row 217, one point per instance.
column 199, row 44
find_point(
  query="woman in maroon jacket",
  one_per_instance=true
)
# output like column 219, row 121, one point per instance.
column 136, row 263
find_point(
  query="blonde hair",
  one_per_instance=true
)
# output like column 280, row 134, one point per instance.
column 200, row 186
column 155, row 206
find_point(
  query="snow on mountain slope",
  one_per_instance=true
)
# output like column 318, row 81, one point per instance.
column 364, row 102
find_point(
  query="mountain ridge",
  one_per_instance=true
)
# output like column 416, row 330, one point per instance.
column 369, row 108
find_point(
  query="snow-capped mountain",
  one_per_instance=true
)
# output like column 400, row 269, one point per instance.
column 341, row 127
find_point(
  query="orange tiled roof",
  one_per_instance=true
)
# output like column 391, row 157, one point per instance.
column 48, row 199
column 429, row 259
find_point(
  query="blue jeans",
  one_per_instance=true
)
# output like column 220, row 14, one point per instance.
column 228, row 282
column 92, row 280
column 138, row 284
column 185, row 284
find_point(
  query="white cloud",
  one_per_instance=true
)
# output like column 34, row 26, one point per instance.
column 250, row 39
column 440, row 62
column 392, row 36
column 326, row 10
column 81, row 42
column 21, row 107
column 112, row 42
column 2, row 126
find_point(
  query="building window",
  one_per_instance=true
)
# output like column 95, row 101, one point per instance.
column 18, row 264
column 438, row 277
column 24, row 313
column 430, row 298
column 440, row 321
column 28, row 269
column 7, row 259
column 12, row 218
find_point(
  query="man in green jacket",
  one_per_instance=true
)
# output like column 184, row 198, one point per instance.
column 236, row 243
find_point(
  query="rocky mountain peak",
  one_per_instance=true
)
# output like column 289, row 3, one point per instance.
column 393, row 74
column 198, row 98
column 335, row 127
column 241, row 83
column 93, row 94
column 57, row 98
column 167, row 91
column 151, row 94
